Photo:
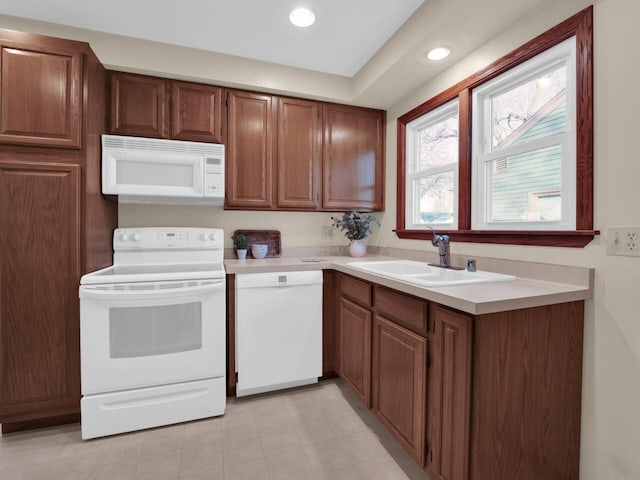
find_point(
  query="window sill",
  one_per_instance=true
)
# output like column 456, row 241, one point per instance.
column 575, row 239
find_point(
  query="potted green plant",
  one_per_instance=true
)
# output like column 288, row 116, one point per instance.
column 356, row 227
column 242, row 243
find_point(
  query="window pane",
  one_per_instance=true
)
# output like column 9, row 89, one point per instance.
column 438, row 143
column 436, row 194
column 534, row 109
column 526, row 187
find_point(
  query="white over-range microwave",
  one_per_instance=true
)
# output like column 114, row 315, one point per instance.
column 149, row 170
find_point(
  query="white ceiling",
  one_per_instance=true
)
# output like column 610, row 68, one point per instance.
column 382, row 73
column 346, row 34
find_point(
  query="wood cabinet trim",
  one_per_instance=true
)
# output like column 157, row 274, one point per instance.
column 329, row 324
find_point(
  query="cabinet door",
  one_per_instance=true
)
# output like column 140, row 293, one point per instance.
column 250, row 148
column 449, row 412
column 139, row 105
column 399, row 383
column 39, row 277
column 355, row 348
column 353, row 158
column 40, row 94
column 196, row 112
column 299, row 141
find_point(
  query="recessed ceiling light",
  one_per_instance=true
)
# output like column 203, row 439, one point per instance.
column 438, row 53
column 302, row 17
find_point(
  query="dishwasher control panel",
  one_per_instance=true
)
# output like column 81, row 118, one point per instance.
column 278, row 279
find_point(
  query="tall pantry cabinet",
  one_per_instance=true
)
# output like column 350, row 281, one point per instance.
column 54, row 223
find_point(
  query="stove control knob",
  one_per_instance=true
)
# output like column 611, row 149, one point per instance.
column 208, row 236
column 212, row 236
column 125, row 237
column 135, row 237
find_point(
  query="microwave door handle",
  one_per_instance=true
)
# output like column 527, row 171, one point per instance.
column 99, row 294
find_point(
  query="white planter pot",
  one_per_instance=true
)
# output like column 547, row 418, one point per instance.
column 357, row 248
column 242, row 253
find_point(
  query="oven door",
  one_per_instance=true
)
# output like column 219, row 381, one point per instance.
column 148, row 334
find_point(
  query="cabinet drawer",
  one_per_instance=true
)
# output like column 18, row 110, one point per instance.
column 356, row 290
column 406, row 310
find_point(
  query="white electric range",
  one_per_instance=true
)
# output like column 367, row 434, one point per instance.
column 152, row 330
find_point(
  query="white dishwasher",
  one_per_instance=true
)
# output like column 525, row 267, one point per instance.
column 278, row 330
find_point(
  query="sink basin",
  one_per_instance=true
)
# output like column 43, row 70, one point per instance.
column 422, row 274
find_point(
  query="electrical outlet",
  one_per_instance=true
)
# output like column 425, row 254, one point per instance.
column 623, row 241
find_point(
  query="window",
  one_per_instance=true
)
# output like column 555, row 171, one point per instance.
column 525, row 119
column 506, row 155
column 432, row 174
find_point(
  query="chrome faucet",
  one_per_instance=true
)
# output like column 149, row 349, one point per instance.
column 442, row 242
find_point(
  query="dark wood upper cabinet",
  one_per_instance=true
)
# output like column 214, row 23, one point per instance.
column 250, row 150
column 196, row 112
column 162, row 108
column 40, row 91
column 299, row 153
column 39, row 234
column 139, row 105
column 281, row 153
column 353, row 158
column 399, row 383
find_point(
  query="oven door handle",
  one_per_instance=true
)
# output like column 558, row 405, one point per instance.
column 97, row 293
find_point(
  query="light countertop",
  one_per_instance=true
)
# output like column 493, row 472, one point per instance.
column 476, row 299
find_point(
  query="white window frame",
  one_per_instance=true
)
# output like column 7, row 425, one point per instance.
column 412, row 198
column 562, row 53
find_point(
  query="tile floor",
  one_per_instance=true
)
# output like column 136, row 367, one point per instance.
column 321, row 432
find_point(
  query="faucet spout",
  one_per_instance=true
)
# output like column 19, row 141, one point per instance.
column 442, row 242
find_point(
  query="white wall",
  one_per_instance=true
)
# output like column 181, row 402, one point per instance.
column 611, row 375
column 297, row 229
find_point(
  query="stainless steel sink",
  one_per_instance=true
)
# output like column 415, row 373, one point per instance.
column 422, row 274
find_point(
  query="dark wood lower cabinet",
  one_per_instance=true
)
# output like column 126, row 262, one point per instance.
column 470, row 397
column 39, row 312
column 355, row 348
column 526, row 393
column 329, row 325
column 399, row 383
column 505, row 393
column 449, row 406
